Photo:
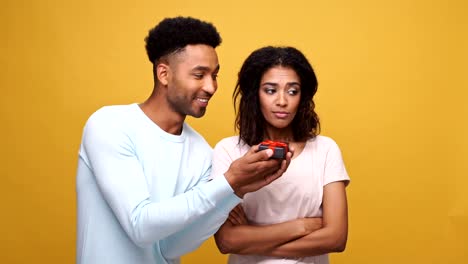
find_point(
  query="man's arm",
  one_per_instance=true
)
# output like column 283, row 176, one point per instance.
column 250, row 172
column 192, row 236
column 245, row 168
column 120, row 178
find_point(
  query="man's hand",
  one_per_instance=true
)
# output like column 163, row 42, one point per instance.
column 254, row 170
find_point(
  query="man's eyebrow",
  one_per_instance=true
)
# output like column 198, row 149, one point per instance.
column 204, row 68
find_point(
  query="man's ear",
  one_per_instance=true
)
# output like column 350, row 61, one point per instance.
column 162, row 73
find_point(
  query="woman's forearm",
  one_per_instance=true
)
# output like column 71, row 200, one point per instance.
column 322, row 241
column 250, row 239
column 332, row 237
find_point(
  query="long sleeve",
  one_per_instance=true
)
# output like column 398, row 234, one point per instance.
column 195, row 234
column 111, row 155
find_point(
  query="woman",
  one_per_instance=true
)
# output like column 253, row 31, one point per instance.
column 302, row 216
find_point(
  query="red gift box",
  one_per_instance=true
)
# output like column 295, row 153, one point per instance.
column 279, row 148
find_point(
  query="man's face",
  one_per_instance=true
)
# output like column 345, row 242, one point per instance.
column 192, row 79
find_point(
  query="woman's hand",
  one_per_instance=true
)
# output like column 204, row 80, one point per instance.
column 311, row 224
column 237, row 216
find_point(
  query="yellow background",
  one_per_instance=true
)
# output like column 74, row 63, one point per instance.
column 392, row 91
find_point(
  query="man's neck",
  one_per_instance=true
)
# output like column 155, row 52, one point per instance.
column 159, row 112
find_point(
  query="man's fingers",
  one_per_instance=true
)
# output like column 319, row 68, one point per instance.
column 284, row 166
column 253, row 155
column 277, row 165
column 272, row 177
column 286, row 162
column 291, row 149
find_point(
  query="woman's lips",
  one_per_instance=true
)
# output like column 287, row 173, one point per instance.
column 281, row 115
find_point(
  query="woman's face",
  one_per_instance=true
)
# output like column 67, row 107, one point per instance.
column 280, row 94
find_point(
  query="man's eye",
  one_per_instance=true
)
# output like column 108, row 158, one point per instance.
column 214, row 77
column 198, row 76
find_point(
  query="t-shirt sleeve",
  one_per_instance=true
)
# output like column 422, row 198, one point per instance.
column 335, row 169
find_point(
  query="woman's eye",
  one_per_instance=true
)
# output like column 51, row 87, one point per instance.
column 270, row 90
column 293, row 91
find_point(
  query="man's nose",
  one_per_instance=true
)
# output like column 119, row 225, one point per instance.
column 210, row 86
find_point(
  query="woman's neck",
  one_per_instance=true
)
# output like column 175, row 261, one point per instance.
column 285, row 135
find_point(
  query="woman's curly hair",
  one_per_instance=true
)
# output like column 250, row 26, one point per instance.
column 249, row 118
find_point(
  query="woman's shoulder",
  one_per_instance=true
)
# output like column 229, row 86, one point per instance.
column 322, row 142
column 228, row 141
column 232, row 143
column 320, row 139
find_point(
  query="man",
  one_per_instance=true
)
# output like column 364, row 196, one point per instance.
column 143, row 188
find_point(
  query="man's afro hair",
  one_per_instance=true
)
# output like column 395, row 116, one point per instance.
column 172, row 34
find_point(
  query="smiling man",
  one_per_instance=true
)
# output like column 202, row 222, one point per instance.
column 143, row 188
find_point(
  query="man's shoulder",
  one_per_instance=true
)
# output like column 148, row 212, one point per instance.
column 113, row 111
column 112, row 118
column 196, row 137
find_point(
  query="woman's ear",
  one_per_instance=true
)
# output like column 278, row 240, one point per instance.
column 162, row 73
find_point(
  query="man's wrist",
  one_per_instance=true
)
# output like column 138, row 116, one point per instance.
column 230, row 178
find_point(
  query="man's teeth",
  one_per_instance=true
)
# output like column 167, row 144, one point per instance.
column 202, row 100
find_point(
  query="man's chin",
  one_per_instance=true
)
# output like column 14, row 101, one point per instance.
column 199, row 114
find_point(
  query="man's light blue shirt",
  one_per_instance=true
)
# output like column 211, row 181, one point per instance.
column 144, row 195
